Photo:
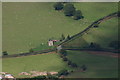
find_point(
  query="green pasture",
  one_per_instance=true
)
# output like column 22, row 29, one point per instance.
column 27, row 25
column 96, row 10
column 42, row 62
column 102, row 35
column 97, row 66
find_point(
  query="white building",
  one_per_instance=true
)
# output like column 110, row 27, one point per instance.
column 8, row 76
column 50, row 43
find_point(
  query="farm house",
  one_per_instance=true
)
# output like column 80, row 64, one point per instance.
column 51, row 42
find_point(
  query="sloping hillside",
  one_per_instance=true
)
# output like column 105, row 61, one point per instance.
column 42, row 62
column 102, row 35
column 98, row 66
column 27, row 25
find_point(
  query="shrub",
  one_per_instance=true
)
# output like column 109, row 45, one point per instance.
column 4, row 53
column 31, row 50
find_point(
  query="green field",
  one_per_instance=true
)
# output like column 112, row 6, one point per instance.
column 42, row 62
column 28, row 25
column 103, row 35
column 97, row 66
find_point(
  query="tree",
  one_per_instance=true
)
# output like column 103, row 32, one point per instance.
column 115, row 44
column 65, row 59
column 83, row 67
column 5, row 53
column 78, row 15
column 96, row 25
column 68, row 37
column 94, row 46
column 118, row 14
column 31, row 50
column 63, row 52
column 63, row 72
column 69, row 62
column 58, row 6
column 74, row 65
column 62, row 37
column 69, row 10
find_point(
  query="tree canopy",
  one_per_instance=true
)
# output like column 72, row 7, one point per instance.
column 58, row 6
column 78, row 15
column 69, row 9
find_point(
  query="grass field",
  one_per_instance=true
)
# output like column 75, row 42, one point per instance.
column 103, row 35
column 42, row 62
column 98, row 66
column 28, row 25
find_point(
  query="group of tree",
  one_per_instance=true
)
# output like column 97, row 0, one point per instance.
column 62, row 38
column 73, row 65
column 69, row 10
column 63, row 55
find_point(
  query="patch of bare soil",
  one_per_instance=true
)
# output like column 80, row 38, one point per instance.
column 37, row 73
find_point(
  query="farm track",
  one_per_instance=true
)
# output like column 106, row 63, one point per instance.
column 115, row 14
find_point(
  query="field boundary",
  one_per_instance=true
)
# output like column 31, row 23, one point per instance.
column 28, row 53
